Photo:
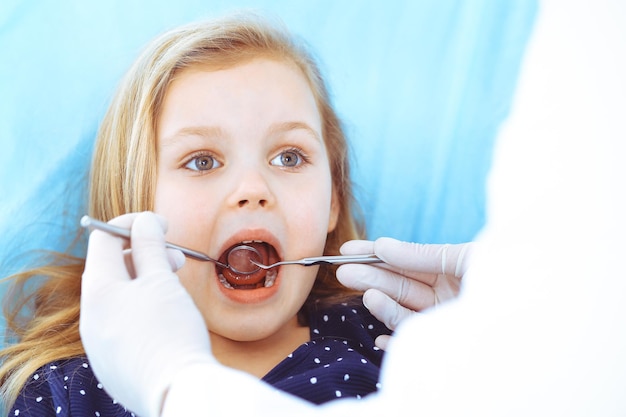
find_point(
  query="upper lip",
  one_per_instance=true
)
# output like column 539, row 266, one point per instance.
column 252, row 234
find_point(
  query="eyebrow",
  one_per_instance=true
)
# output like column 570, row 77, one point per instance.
column 209, row 132
column 285, row 127
column 214, row 132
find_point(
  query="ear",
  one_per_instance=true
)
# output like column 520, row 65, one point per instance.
column 334, row 212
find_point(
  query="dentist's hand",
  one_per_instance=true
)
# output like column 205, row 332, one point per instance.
column 138, row 324
column 414, row 277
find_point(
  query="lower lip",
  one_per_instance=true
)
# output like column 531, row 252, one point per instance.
column 256, row 295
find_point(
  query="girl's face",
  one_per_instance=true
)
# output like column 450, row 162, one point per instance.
column 242, row 159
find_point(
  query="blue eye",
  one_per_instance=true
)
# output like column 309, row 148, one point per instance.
column 290, row 159
column 202, row 162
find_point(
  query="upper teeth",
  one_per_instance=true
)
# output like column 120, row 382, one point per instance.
column 252, row 241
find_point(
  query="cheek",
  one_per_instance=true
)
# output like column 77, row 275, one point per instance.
column 181, row 207
column 164, row 198
column 186, row 274
column 310, row 212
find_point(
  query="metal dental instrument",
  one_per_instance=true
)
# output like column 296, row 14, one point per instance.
column 243, row 255
column 328, row 260
column 251, row 252
column 88, row 222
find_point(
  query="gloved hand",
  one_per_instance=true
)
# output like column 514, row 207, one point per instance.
column 414, row 277
column 139, row 326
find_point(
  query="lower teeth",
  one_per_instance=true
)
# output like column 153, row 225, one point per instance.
column 270, row 278
column 224, row 282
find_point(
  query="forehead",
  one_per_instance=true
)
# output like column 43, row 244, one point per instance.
column 247, row 64
column 268, row 89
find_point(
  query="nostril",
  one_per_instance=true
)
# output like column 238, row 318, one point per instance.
column 242, row 203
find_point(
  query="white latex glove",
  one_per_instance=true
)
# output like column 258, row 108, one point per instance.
column 139, row 326
column 414, row 277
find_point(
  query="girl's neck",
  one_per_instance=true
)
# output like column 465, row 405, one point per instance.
column 260, row 356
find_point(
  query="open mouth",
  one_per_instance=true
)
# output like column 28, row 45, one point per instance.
column 243, row 274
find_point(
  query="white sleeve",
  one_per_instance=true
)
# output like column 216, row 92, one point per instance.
column 540, row 327
column 210, row 389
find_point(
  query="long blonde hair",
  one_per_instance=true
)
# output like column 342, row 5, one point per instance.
column 123, row 178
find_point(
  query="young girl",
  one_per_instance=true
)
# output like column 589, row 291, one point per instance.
column 225, row 129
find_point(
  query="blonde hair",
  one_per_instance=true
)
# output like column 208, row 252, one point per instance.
column 123, row 178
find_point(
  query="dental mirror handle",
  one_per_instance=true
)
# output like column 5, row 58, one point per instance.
column 88, row 222
column 341, row 259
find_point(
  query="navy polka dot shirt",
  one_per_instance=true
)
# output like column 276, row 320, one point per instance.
column 339, row 361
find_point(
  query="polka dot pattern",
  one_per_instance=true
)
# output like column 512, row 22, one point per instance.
column 339, row 361
column 66, row 388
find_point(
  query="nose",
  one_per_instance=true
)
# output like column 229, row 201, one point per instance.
column 252, row 190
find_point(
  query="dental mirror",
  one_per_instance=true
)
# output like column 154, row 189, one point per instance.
column 240, row 259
